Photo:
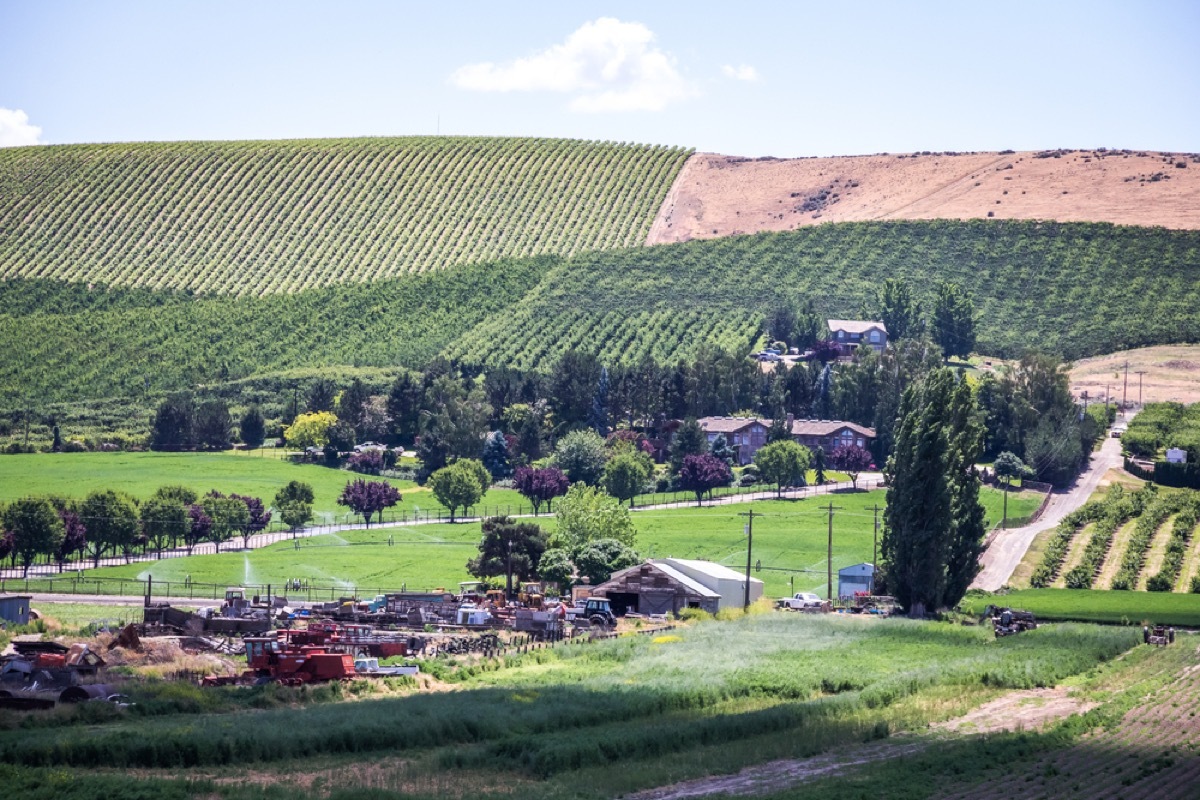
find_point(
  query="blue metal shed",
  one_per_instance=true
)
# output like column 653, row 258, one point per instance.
column 14, row 608
column 856, row 578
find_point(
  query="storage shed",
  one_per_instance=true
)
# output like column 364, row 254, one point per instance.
column 856, row 578
column 669, row 585
column 14, row 608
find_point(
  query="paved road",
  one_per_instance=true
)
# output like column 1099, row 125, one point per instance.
column 1009, row 547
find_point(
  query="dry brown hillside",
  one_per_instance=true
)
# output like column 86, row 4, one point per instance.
column 719, row 195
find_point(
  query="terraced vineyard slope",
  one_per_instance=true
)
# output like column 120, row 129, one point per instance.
column 269, row 217
column 1075, row 288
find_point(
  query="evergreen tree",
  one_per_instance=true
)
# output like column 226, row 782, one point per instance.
column 722, row 449
column 321, row 395
column 689, row 440
column 598, row 419
column 779, row 431
column 213, row 427
column 917, row 519
column 571, row 389
column 823, row 393
column 495, row 456
column 953, row 323
column 253, row 428
column 965, row 438
column 818, row 465
column 404, row 408
column 352, row 406
column 171, row 429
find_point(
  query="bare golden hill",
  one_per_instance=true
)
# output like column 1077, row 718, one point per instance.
column 718, row 195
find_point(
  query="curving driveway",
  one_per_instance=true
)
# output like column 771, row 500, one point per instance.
column 1009, row 546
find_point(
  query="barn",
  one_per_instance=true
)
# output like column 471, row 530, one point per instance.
column 669, row 585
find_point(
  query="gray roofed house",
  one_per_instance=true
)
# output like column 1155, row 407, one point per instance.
column 850, row 333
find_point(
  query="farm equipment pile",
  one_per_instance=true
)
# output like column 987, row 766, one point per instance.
column 1006, row 621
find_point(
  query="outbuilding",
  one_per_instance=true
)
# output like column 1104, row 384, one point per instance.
column 856, row 578
column 14, row 608
column 669, row 585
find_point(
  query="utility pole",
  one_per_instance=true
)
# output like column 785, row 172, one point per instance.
column 829, row 556
column 750, row 515
column 875, row 549
column 1125, row 390
column 1140, row 373
column 1107, row 394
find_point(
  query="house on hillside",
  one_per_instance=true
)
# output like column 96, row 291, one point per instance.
column 744, row 434
column 669, row 585
column 850, row 333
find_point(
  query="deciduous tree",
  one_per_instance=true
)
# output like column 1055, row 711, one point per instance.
column 701, row 474
column 625, row 475
column 540, row 485
column 851, row 459
column 507, row 542
column 368, row 497
column 586, row 513
column 164, row 522
column 36, row 528
column 581, row 455
column 783, row 463
column 310, row 430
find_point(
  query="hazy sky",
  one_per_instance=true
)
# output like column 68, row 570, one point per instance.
column 785, row 79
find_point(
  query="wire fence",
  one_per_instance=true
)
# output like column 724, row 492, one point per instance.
column 49, row 568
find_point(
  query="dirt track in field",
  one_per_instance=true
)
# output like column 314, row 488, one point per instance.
column 717, row 195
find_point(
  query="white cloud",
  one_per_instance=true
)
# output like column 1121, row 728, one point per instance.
column 742, row 72
column 15, row 130
column 608, row 65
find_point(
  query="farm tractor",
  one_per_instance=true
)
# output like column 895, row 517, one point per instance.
column 1006, row 621
column 596, row 612
column 1159, row 635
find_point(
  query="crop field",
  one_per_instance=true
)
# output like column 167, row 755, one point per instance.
column 1105, row 288
column 1096, row 605
column 267, row 217
column 790, row 541
column 1109, row 288
column 584, row 721
column 1127, row 540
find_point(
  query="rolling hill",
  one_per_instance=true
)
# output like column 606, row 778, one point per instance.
column 717, row 195
column 254, row 218
column 1077, row 289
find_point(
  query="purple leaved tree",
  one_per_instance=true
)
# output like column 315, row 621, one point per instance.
column 851, row 459
column 197, row 531
column 368, row 498
column 540, row 486
column 703, row 473
column 74, row 537
column 260, row 517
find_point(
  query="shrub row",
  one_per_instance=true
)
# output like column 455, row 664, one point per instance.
column 1155, row 514
column 1181, row 534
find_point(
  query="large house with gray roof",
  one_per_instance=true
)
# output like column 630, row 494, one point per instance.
column 848, row 334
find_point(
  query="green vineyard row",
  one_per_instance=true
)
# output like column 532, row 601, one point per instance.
column 1075, row 289
column 252, row 218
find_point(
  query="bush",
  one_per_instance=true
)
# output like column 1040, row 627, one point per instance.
column 1195, row 587
column 695, row 615
column 1157, row 583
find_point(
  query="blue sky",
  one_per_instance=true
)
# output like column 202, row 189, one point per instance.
column 753, row 79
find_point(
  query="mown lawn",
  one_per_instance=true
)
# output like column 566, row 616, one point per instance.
column 790, row 541
column 139, row 474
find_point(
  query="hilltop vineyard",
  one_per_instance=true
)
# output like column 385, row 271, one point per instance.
column 255, row 218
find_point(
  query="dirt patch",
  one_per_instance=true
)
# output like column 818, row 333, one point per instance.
column 718, row 195
column 776, row 776
column 1021, row 710
column 1156, row 374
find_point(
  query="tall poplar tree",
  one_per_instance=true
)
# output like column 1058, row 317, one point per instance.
column 964, row 432
column 933, row 523
column 917, row 519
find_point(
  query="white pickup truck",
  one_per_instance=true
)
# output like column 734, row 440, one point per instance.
column 799, row 600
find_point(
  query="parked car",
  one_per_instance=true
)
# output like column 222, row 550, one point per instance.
column 800, row 600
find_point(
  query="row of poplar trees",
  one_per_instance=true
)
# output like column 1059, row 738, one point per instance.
column 934, row 523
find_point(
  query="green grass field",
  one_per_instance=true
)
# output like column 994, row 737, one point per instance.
column 1093, row 605
column 790, row 540
column 139, row 474
column 578, row 721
